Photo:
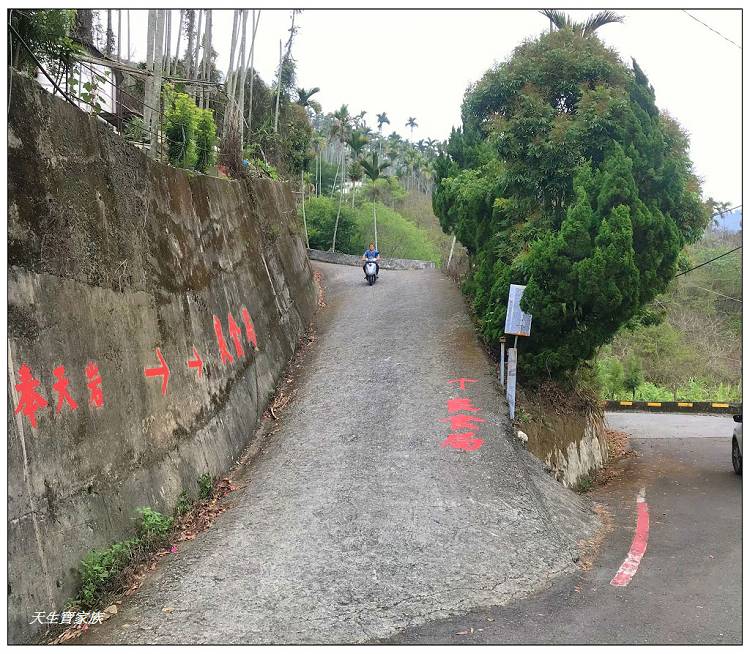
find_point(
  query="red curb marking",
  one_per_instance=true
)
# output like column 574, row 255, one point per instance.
column 637, row 548
column 196, row 363
column 161, row 371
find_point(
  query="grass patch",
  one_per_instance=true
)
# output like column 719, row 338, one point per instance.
column 102, row 569
column 205, row 486
column 584, row 484
column 184, row 504
column 397, row 237
column 104, row 572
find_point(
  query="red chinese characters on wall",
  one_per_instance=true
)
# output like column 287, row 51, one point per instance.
column 94, row 384
column 463, row 421
column 61, row 388
column 30, row 401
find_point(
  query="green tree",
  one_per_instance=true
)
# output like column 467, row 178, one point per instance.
column 180, row 118
column 633, row 377
column 565, row 177
column 205, row 140
column 356, row 141
column 304, row 98
column 411, row 123
column 562, row 20
column 322, row 215
column 373, row 170
column 47, row 34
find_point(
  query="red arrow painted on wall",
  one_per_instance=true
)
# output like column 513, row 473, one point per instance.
column 161, row 371
column 196, row 363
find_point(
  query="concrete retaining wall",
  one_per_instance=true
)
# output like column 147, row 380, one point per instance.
column 572, row 447
column 118, row 268
column 385, row 263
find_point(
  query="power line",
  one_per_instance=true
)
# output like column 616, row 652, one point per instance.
column 39, row 65
column 721, row 213
column 685, row 272
column 716, row 293
column 712, row 29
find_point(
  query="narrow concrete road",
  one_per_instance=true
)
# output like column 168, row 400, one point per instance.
column 672, row 425
column 353, row 522
column 688, row 586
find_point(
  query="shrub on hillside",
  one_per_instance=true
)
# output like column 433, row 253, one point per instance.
column 397, row 236
column 321, row 214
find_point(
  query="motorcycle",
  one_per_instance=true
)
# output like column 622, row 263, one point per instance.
column 370, row 269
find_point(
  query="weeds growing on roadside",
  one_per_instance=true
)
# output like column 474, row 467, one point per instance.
column 205, row 486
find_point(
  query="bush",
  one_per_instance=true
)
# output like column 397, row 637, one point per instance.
column 265, row 168
column 101, row 568
column 184, row 503
column 180, row 118
column 136, row 129
column 154, row 527
column 321, row 219
column 611, row 376
column 650, row 392
column 205, row 140
column 47, row 33
column 205, row 486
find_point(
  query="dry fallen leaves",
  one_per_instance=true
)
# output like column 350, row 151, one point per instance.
column 618, row 444
column 321, row 293
column 589, row 548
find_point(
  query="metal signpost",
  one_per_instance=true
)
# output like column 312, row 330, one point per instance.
column 517, row 323
column 511, row 390
column 502, row 361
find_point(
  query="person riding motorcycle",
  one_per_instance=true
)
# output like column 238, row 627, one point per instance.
column 371, row 254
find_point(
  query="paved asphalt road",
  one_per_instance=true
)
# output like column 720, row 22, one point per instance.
column 688, row 588
column 352, row 522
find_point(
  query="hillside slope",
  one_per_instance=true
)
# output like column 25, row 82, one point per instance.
column 696, row 352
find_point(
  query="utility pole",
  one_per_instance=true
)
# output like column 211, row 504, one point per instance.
column 156, row 81
column 450, row 256
column 252, row 72
column 150, row 34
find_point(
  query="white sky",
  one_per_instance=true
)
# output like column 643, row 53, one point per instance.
column 419, row 63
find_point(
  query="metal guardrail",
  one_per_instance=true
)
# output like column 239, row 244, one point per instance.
column 673, row 407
